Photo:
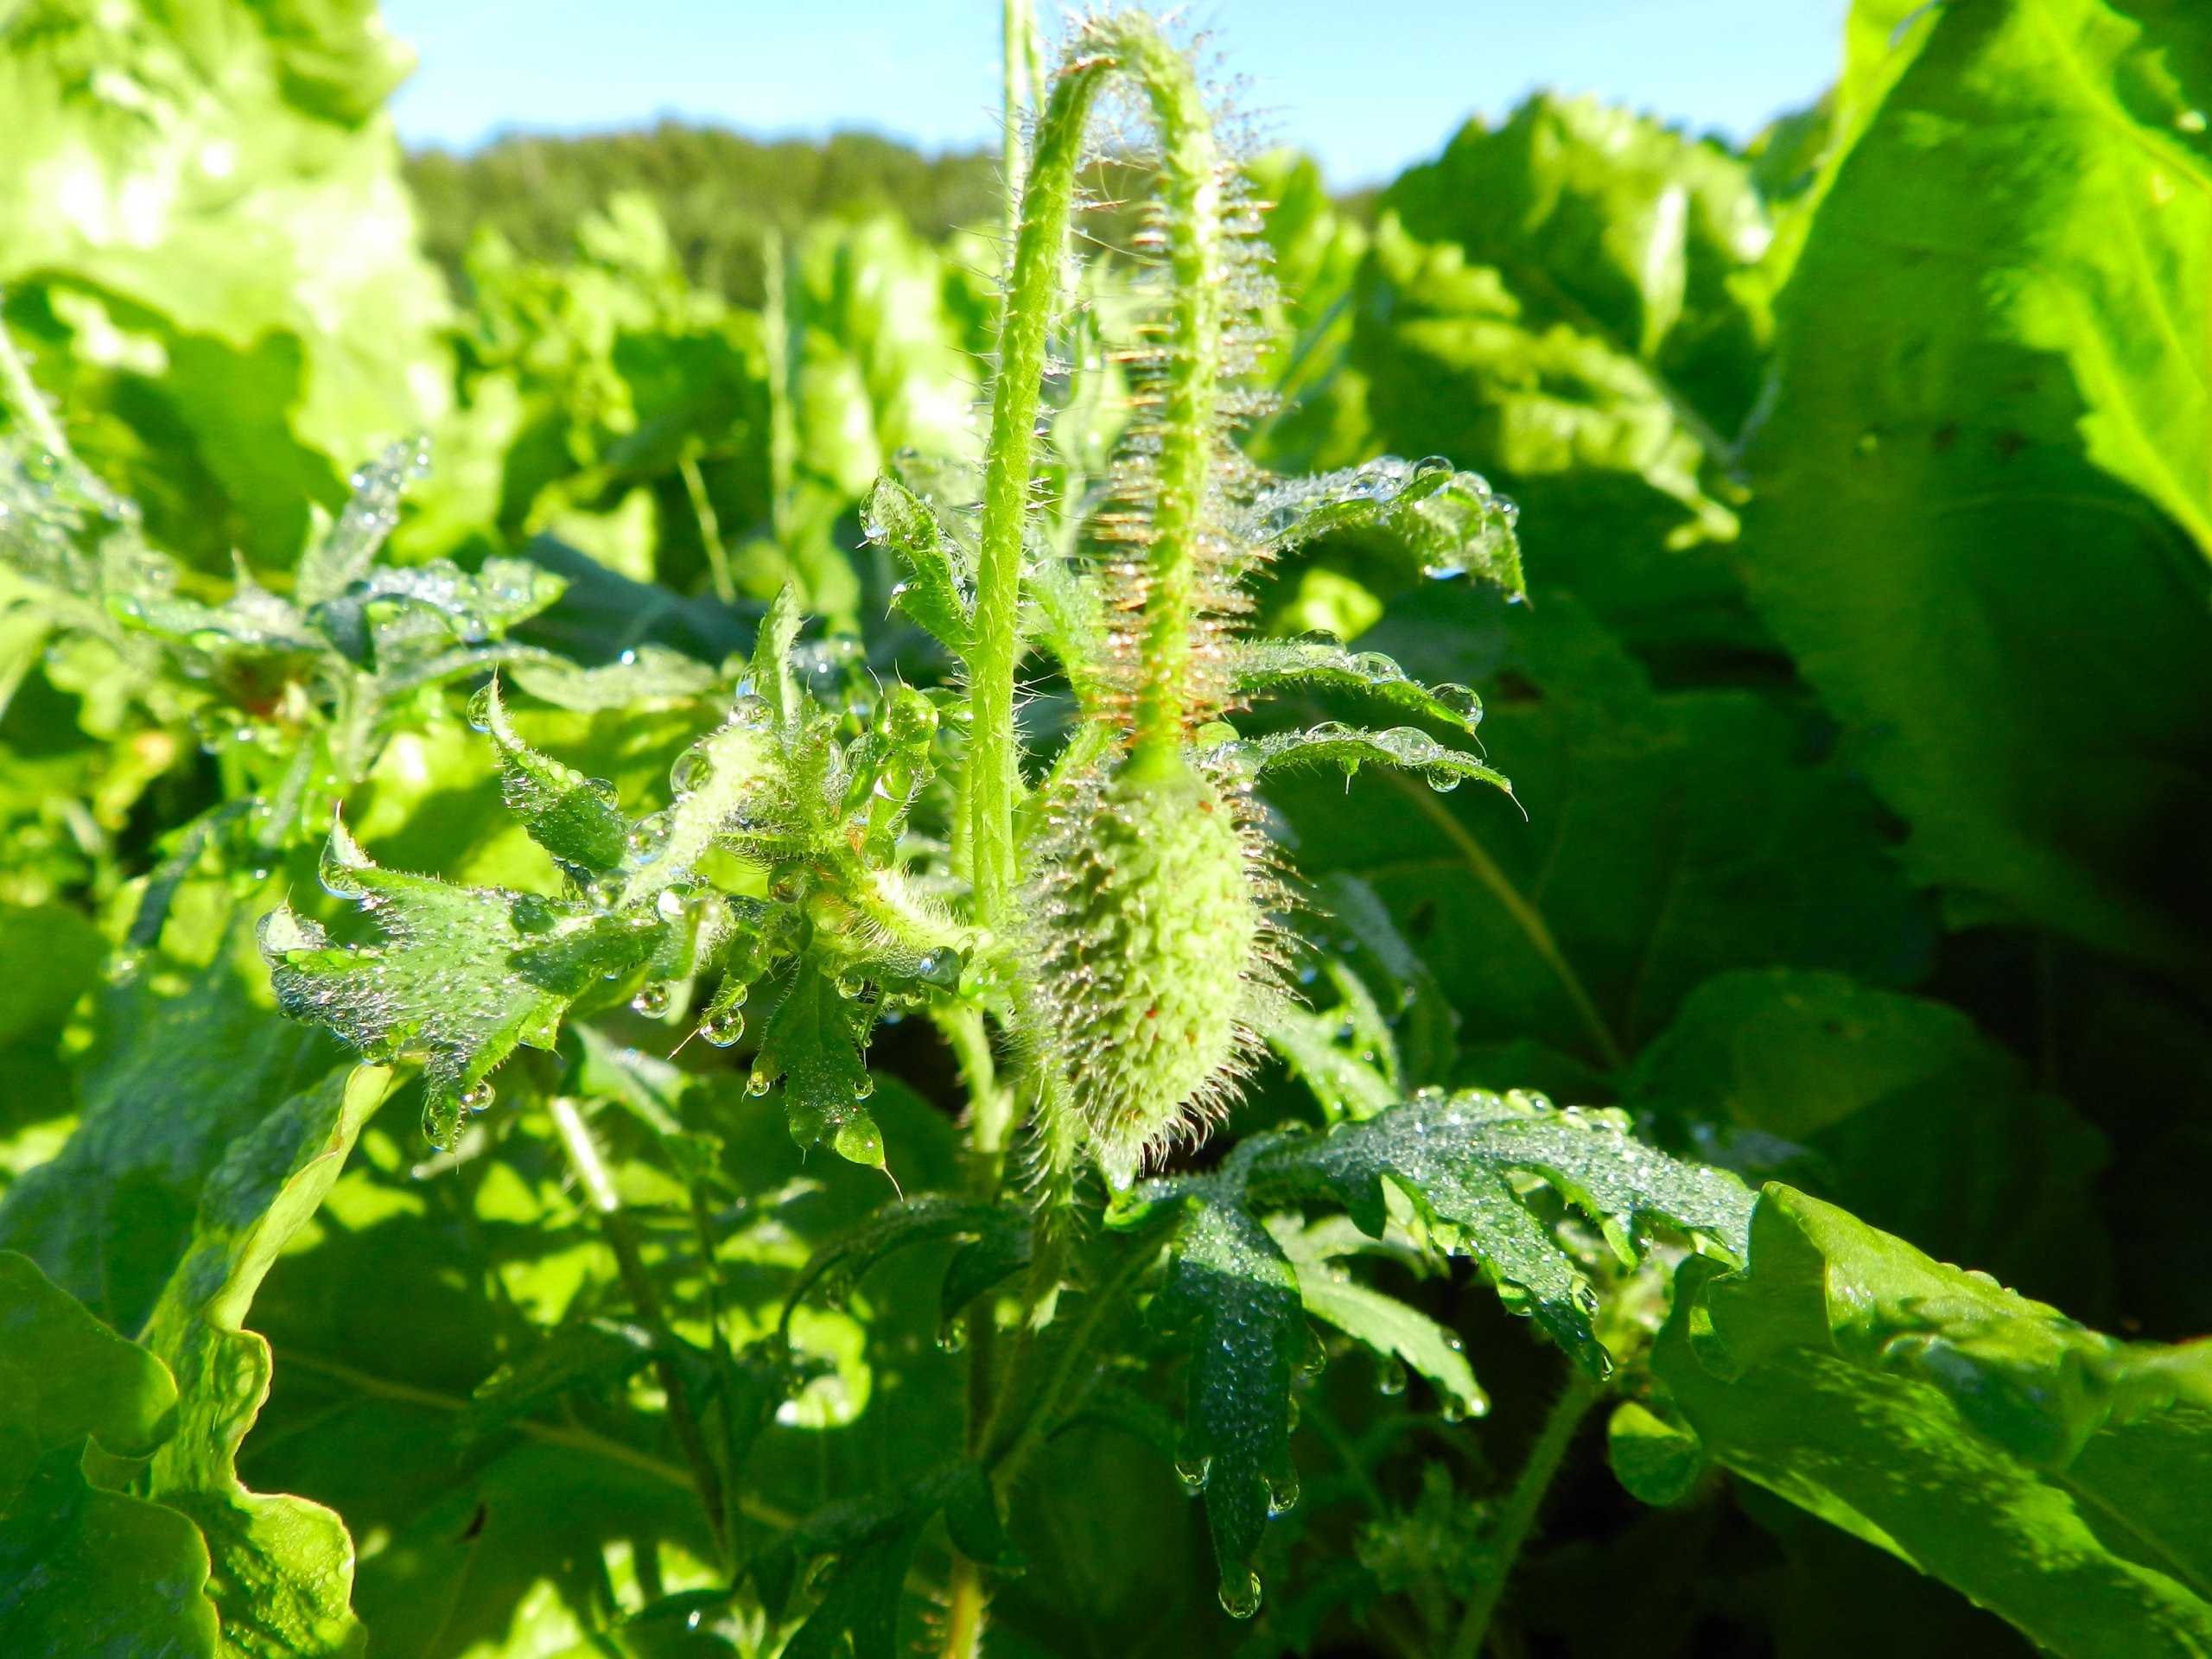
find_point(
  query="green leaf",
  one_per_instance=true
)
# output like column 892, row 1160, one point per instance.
column 342, row 556
column 1423, row 516
column 1302, row 665
column 1455, row 1158
column 933, row 591
column 442, row 983
column 840, row 1263
column 1658, row 1462
column 83, row 1570
column 1233, row 1295
column 282, row 1572
column 187, row 1058
column 1895, row 1107
column 1345, row 1084
column 1981, row 332
column 1348, row 749
column 872, row 1541
column 1387, row 1325
column 590, row 1355
column 1561, row 926
column 646, row 674
column 2035, row 1465
column 1564, row 302
column 813, row 1041
column 575, row 818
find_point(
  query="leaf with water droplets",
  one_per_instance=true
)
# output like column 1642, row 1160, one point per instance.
column 648, row 674
column 1443, row 521
column 342, row 556
column 814, row 1041
column 1324, row 665
column 594, row 1354
column 932, row 591
column 1234, row 1295
column 1350, row 748
column 439, row 981
column 1388, row 1326
column 573, row 818
column 1454, row 1158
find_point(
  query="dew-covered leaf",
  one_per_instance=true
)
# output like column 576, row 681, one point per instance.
column 575, row 818
column 2036, row 1465
column 439, row 983
column 1346, row 1085
column 647, row 674
column 1323, row 665
column 83, row 1570
column 1456, row 1159
column 281, row 1567
column 1425, row 515
column 932, row 591
column 1394, row 1331
column 813, row 1041
column 1348, row 749
column 342, row 556
column 1232, row 1293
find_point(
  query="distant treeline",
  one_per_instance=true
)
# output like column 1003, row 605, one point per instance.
column 719, row 192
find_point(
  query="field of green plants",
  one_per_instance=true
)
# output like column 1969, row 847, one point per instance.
column 755, row 900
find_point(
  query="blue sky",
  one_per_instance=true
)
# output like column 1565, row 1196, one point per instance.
column 1366, row 85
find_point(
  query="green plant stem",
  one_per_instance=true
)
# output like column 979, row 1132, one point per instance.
column 710, row 529
column 966, row 1604
column 1518, row 1517
column 621, row 1237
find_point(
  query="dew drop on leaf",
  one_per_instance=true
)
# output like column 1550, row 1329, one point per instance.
column 479, row 709
column 939, row 967
column 693, row 770
column 1240, row 1599
column 1282, row 1495
column 651, row 1001
column 1390, row 1377
column 864, row 1088
column 723, row 1026
column 758, row 1084
column 477, row 1098
column 1193, row 1472
column 647, row 837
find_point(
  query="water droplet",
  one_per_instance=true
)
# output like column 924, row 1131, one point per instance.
column 758, row 1084
column 787, row 883
column 122, row 967
column 1240, row 1599
column 479, row 706
column 647, row 839
column 849, row 986
column 651, row 1001
column 1194, row 1471
column 1282, row 1495
column 477, row 1097
column 864, row 1088
column 939, row 967
column 1390, row 1377
column 1442, row 779
column 951, row 1336
column 751, row 713
column 693, row 770
column 723, row 1026
column 1452, row 1409
column 668, row 905
column 860, row 1141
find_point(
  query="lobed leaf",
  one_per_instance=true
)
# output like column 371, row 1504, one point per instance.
column 1276, row 665
column 1394, row 1332
column 1455, row 1158
column 1439, row 521
column 281, row 1567
column 932, row 592
column 1346, row 747
column 83, row 1570
column 575, row 818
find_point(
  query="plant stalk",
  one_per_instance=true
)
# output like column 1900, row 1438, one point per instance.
column 22, row 394
column 1518, row 1518
column 621, row 1237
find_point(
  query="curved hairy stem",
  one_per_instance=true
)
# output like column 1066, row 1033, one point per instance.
column 1518, row 1518
column 1131, row 45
